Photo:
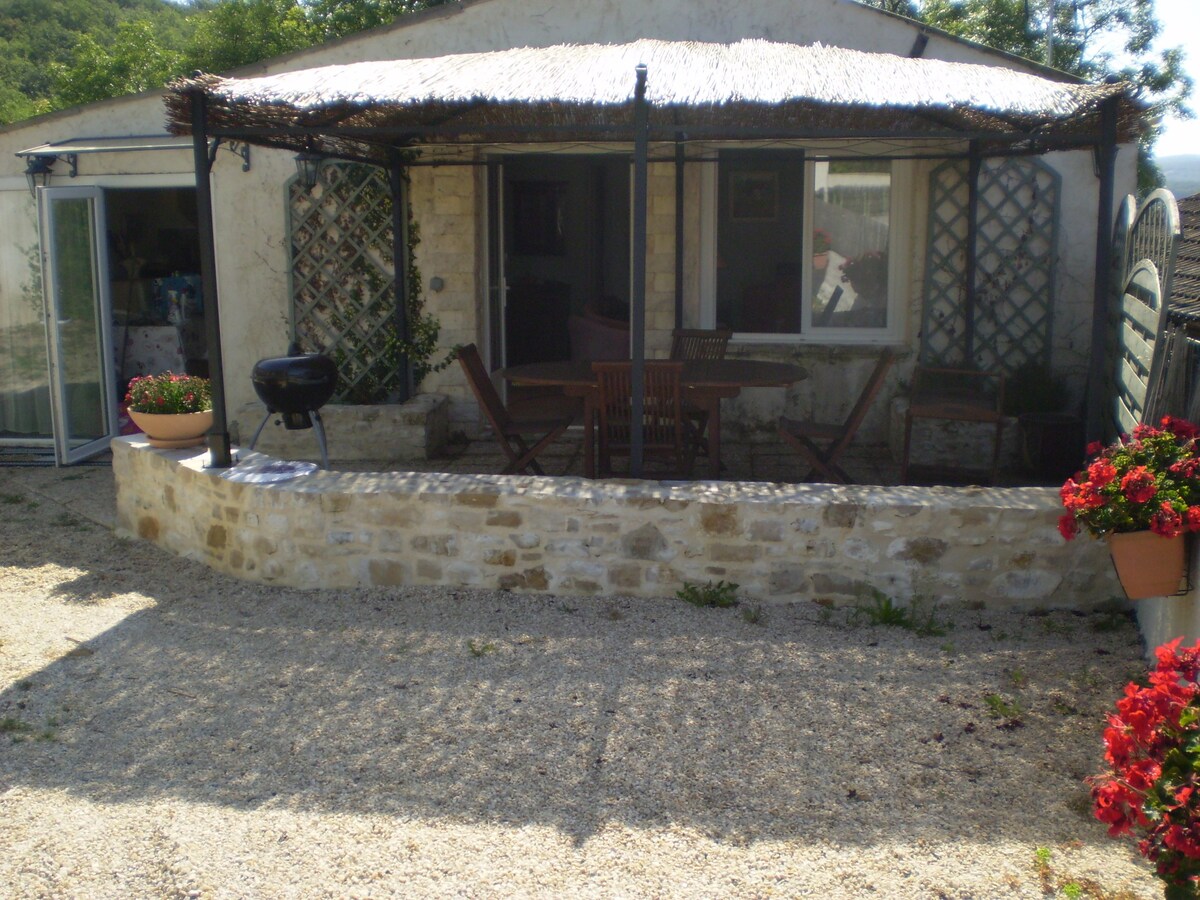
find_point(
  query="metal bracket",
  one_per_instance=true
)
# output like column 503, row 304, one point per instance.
column 235, row 147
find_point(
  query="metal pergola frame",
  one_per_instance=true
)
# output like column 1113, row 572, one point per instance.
column 629, row 124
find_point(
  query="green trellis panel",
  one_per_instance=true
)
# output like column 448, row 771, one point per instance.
column 343, row 302
column 1007, row 321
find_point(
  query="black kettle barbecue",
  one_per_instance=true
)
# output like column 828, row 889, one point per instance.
column 295, row 387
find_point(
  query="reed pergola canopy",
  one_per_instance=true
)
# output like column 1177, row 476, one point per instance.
column 748, row 89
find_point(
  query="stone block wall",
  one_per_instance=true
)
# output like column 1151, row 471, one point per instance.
column 573, row 536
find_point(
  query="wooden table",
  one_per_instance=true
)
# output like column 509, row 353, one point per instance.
column 707, row 383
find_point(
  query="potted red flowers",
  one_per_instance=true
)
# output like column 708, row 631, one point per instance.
column 1141, row 494
column 1152, row 784
column 173, row 410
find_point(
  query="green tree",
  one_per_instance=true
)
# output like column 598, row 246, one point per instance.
column 239, row 32
column 1093, row 39
column 337, row 18
column 134, row 60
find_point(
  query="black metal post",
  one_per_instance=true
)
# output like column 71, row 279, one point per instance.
column 680, row 160
column 220, row 453
column 400, row 261
column 1106, row 159
column 637, row 317
column 971, row 262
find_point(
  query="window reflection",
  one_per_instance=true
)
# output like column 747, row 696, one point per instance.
column 851, row 201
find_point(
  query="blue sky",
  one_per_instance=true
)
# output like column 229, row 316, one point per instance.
column 1181, row 27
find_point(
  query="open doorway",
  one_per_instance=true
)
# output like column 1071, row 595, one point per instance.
column 119, row 280
column 565, row 253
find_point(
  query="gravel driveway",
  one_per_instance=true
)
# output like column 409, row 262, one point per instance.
column 171, row 732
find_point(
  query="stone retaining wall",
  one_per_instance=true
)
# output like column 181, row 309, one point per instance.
column 574, row 536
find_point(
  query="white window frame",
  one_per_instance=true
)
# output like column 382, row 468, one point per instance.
column 900, row 251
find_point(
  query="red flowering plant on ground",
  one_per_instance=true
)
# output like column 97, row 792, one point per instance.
column 1152, row 785
column 169, row 393
column 1150, row 480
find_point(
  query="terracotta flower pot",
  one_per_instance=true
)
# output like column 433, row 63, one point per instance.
column 172, row 431
column 1147, row 564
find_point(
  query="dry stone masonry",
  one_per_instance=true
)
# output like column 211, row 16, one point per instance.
column 574, row 536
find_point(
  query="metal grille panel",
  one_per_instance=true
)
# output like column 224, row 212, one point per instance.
column 1008, row 323
column 343, row 300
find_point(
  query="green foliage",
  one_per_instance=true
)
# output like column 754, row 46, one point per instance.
column 55, row 55
column 1001, row 708
column 721, row 595
column 239, row 32
column 38, row 39
column 132, row 60
column 1083, row 33
column 883, row 610
column 480, row 648
column 752, row 615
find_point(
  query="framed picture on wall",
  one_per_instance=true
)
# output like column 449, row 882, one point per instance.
column 753, row 196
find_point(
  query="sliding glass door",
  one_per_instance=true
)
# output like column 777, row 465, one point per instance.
column 78, row 326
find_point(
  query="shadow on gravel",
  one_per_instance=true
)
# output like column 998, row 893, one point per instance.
column 565, row 712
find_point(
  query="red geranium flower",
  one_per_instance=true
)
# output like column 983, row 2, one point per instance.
column 1152, row 747
column 1138, row 484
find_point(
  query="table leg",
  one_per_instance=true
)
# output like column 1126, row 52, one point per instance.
column 714, row 437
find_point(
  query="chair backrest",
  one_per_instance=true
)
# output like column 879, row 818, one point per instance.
column 869, row 391
column 958, row 393
column 662, row 414
column 482, row 387
column 699, row 343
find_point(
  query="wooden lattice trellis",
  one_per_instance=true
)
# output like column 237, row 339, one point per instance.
column 343, row 299
column 989, row 289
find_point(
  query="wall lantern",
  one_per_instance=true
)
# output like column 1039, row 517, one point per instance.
column 308, row 168
column 37, row 172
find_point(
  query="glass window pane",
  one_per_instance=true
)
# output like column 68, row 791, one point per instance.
column 24, row 375
column 760, row 240
column 851, row 202
column 78, row 318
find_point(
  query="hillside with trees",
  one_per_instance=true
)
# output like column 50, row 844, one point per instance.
column 60, row 53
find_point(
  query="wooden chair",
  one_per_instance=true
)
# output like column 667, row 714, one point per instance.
column 700, row 343
column 960, row 395
column 548, row 416
column 803, row 435
column 666, row 433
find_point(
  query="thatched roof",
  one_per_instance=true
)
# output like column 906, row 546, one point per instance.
column 753, row 88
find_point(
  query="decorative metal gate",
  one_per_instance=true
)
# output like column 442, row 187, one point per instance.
column 343, row 300
column 990, row 265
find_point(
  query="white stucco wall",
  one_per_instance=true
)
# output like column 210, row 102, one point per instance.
column 250, row 207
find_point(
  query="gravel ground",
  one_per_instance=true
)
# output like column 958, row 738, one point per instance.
column 171, row 732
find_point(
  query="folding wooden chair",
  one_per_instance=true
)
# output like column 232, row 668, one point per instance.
column 700, row 343
column 666, row 434
column 803, row 435
column 960, row 395
column 548, row 416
